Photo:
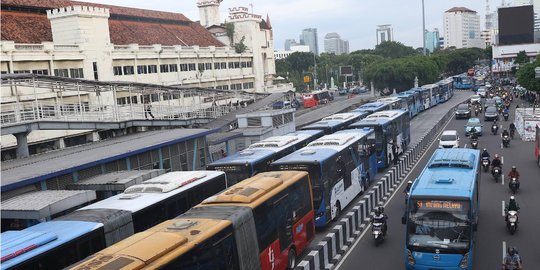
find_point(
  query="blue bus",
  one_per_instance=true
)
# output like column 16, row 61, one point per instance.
column 442, row 211
column 413, row 101
column 258, row 156
column 373, row 107
column 462, row 82
column 446, row 90
column 478, row 81
column 340, row 165
column 394, row 103
column 390, row 126
column 434, row 92
column 335, row 122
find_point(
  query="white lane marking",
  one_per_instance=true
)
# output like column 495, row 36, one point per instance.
column 503, row 250
column 465, row 146
column 502, row 160
column 502, row 208
column 366, row 229
column 502, row 177
column 501, row 146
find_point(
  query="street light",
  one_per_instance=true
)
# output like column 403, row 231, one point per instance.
column 423, row 28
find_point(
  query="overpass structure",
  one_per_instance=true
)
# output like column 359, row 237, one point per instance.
column 57, row 103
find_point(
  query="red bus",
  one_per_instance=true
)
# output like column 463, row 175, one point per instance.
column 263, row 222
column 537, row 143
column 316, row 98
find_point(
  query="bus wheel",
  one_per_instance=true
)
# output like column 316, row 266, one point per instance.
column 292, row 259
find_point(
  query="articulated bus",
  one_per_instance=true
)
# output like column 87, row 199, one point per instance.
column 335, row 122
column 258, row 156
column 340, row 165
column 373, row 107
column 462, row 82
column 394, row 103
column 58, row 243
column 315, row 98
column 446, row 90
column 413, row 101
column 442, row 211
column 537, row 143
column 261, row 223
column 434, row 94
column 390, row 126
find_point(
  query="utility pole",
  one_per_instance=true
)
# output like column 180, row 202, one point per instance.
column 314, row 72
column 423, row 28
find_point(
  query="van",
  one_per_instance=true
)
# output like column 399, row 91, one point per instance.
column 449, row 139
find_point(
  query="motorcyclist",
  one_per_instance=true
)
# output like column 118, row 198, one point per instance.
column 512, row 128
column 474, row 136
column 380, row 217
column 485, row 153
column 496, row 162
column 495, row 125
column 513, row 173
column 505, row 133
column 512, row 205
column 512, row 260
column 408, row 187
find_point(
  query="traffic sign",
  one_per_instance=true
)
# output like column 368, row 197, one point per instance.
column 537, row 72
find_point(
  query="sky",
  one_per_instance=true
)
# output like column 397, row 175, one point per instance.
column 353, row 20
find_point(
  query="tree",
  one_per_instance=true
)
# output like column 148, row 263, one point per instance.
column 300, row 61
column 240, row 47
column 526, row 76
column 394, row 49
column 229, row 27
column 521, row 58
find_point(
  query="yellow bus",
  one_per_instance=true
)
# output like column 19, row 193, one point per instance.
column 262, row 223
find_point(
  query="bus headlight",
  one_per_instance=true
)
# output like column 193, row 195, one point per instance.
column 465, row 261
column 410, row 258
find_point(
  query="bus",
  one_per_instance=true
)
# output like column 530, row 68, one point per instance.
column 373, row 107
column 442, row 211
column 341, row 166
column 446, row 90
column 537, row 143
column 65, row 240
column 262, row 223
column 394, row 103
column 335, row 122
column 434, row 93
column 315, row 98
column 462, row 82
column 258, row 156
column 478, row 81
column 413, row 101
column 390, row 127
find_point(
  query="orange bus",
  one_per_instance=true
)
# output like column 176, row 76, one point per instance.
column 316, row 98
column 262, row 223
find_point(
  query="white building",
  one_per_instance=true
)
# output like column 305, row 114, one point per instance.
column 462, row 28
column 334, row 44
column 504, row 56
column 384, row 33
column 285, row 53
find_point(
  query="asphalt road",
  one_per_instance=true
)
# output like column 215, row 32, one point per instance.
column 421, row 124
column 492, row 236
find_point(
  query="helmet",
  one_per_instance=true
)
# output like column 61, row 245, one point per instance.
column 496, row 155
column 377, row 211
column 381, row 208
column 513, row 168
column 512, row 198
column 410, row 182
column 512, row 251
column 485, row 149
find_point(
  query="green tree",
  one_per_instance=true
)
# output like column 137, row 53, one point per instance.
column 526, row 76
column 521, row 58
column 394, row 49
column 300, row 61
column 240, row 47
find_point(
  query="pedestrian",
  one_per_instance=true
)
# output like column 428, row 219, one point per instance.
column 148, row 109
column 395, row 149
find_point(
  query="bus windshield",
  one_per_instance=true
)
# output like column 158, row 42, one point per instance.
column 314, row 174
column 442, row 225
column 235, row 173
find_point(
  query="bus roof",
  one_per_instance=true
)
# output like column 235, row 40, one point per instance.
column 138, row 197
column 20, row 246
column 255, row 190
column 341, row 117
column 164, row 241
column 379, row 118
column 388, row 99
column 376, row 104
column 243, row 157
column 445, row 81
column 448, row 173
column 428, row 86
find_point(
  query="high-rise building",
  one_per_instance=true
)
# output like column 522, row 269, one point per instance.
column 309, row 37
column 432, row 40
column 462, row 28
column 290, row 43
column 334, row 44
column 384, row 33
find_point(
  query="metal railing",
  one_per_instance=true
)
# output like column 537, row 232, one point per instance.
column 26, row 112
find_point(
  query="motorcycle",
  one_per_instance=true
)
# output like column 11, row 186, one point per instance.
column 506, row 141
column 506, row 115
column 512, row 221
column 474, row 144
column 512, row 132
column 496, row 172
column 513, row 185
column 476, row 111
column 485, row 164
column 494, row 129
column 377, row 231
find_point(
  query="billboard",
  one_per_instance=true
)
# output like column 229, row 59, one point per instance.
column 346, row 70
column 516, row 25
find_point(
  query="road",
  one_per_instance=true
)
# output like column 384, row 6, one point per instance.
column 419, row 126
column 492, row 236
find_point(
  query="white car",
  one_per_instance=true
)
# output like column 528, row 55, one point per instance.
column 481, row 92
column 449, row 139
column 475, row 99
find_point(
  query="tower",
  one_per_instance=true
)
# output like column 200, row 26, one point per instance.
column 209, row 12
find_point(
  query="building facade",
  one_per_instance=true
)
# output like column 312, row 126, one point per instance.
column 462, row 28
column 309, row 37
column 504, row 55
column 384, row 33
column 334, row 44
column 432, row 40
column 284, row 54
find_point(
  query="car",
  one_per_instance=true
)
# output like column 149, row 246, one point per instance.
column 342, row 92
column 475, row 99
column 277, row 105
column 449, row 139
column 491, row 114
column 463, row 111
column 363, row 89
column 489, row 102
column 482, row 92
column 473, row 123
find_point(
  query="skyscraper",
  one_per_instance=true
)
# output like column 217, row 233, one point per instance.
column 462, row 28
column 309, row 37
column 432, row 40
column 384, row 33
column 290, row 43
column 334, row 44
